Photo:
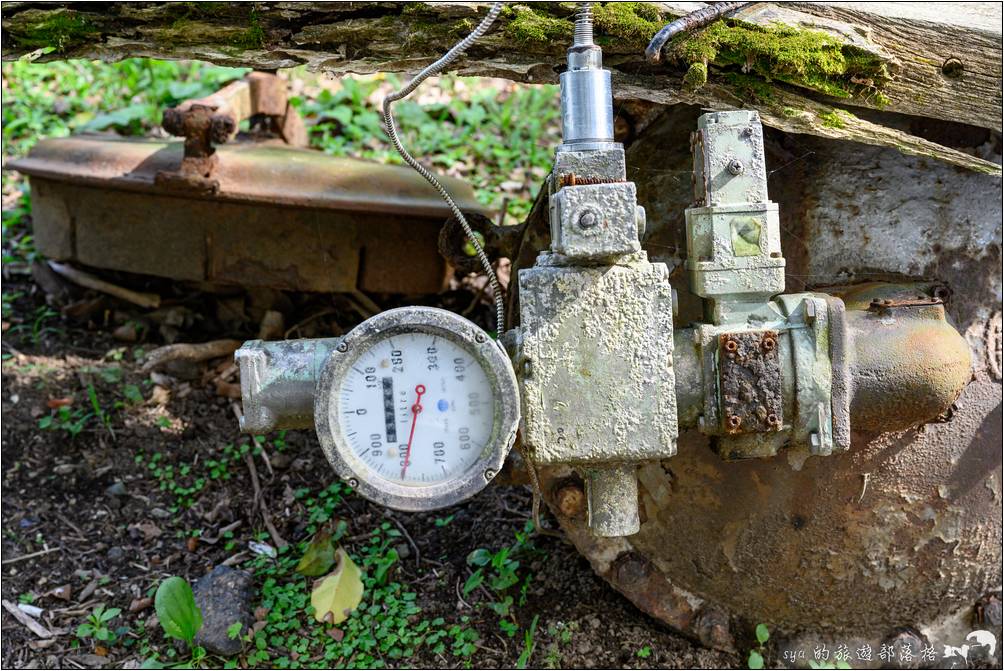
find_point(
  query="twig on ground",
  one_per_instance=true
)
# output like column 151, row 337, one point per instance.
column 31, row 555
column 27, row 620
column 89, row 281
column 260, row 504
column 189, row 352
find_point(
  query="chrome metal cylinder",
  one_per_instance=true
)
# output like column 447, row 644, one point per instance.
column 587, row 114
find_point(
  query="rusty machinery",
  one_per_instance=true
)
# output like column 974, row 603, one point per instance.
column 600, row 380
column 605, row 382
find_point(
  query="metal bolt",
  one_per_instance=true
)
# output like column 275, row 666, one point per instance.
column 587, row 219
column 571, row 500
column 953, row 68
column 527, row 368
column 772, row 419
column 731, row 346
column 342, row 347
column 769, row 344
column 736, row 167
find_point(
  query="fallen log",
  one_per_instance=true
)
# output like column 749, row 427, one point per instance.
column 801, row 64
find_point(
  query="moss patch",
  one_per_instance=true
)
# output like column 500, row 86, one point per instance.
column 696, row 77
column 807, row 58
column 836, row 118
column 60, row 31
column 254, row 36
column 633, row 24
column 528, row 25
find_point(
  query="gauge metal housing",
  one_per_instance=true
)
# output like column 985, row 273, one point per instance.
column 486, row 353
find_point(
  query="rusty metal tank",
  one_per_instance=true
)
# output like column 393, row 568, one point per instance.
column 903, row 532
column 254, row 212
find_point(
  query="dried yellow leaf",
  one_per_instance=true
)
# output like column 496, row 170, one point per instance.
column 337, row 594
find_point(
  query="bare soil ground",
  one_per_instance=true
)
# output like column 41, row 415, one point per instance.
column 86, row 520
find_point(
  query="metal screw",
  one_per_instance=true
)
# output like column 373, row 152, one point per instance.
column 736, row 167
column 731, row 346
column 489, row 474
column 587, row 219
column 527, row 368
column 480, row 337
column 342, row 347
column 353, row 483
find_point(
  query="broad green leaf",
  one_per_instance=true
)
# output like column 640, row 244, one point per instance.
column 176, row 609
column 110, row 614
column 85, row 630
column 337, row 594
column 762, row 633
column 234, row 630
column 474, row 582
column 319, row 557
column 756, row 660
column 479, row 557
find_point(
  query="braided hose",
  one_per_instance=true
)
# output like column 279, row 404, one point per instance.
column 388, row 121
column 685, row 24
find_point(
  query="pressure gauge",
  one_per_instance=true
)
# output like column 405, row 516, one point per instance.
column 417, row 408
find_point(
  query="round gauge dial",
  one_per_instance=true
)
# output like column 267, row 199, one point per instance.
column 417, row 408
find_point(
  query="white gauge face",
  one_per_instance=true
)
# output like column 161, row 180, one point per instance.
column 416, row 409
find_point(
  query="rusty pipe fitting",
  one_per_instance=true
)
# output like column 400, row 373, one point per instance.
column 907, row 366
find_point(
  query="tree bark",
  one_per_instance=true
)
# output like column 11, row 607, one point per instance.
column 923, row 61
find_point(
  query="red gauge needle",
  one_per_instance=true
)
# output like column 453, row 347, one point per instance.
column 415, row 409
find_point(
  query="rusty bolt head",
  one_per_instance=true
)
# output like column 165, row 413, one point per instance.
column 221, row 128
column 735, row 421
column 731, row 345
column 631, row 570
column 736, row 167
column 769, row 344
column 571, row 500
column 772, row 419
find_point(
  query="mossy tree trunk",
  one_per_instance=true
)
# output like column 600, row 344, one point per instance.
column 800, row 65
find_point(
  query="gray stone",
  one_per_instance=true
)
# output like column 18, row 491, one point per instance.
column 224, row 596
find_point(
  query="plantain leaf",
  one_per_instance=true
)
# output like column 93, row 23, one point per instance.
column 176, row 609
column 319, row 557
column 337, row 594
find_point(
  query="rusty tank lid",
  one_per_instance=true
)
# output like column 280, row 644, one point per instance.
column 247, row 171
